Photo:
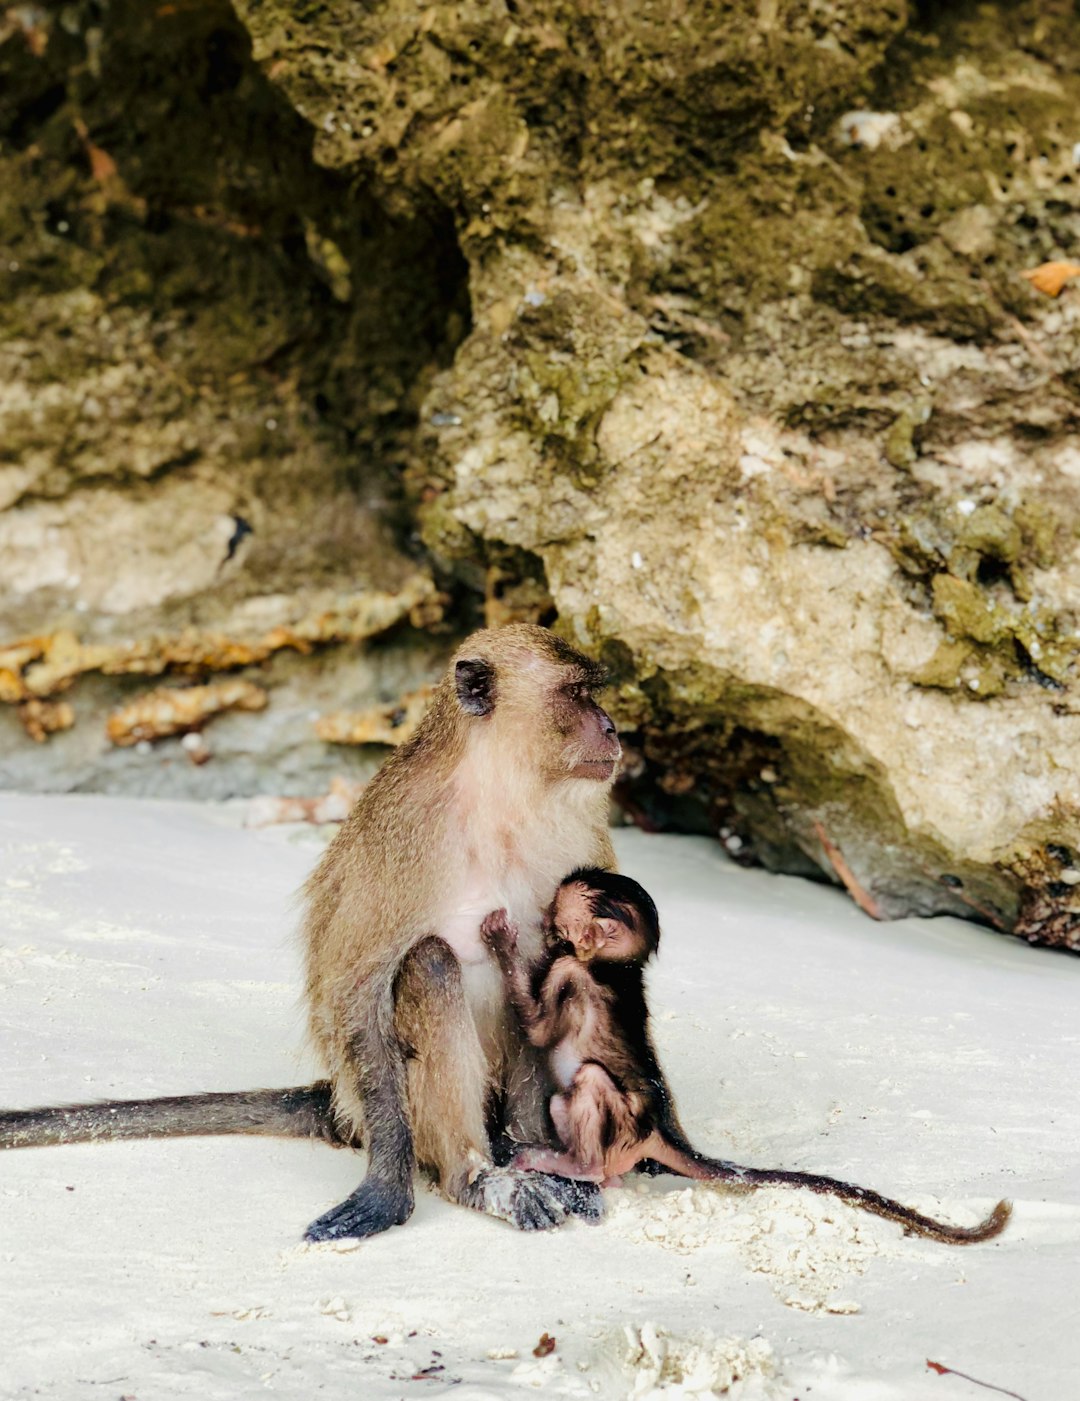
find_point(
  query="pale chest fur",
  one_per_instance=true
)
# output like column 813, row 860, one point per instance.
column 514, row 842
column 513, row 849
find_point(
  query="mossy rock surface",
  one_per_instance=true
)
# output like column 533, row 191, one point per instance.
column 698, row 327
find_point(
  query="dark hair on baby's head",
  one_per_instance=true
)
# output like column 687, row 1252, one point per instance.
column 620, row 897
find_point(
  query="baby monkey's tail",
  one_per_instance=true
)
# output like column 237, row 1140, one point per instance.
column 696, row 1165
column 304, row 1111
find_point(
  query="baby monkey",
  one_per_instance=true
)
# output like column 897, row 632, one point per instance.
column 583, row 1004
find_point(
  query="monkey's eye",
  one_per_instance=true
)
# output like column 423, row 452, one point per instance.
column 577, row 691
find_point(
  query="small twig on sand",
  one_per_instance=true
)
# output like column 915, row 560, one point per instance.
column 988, row 915
column 941, row 1369
column 862, row 898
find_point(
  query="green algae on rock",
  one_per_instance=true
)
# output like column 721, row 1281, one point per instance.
column 699, row 327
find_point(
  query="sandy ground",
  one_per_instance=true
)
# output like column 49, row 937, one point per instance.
column 147, row 948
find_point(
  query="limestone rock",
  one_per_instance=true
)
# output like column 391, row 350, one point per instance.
column 829, row 554
column 389, row 724
column 211, row 358
column 701, row 329
column 180, row 710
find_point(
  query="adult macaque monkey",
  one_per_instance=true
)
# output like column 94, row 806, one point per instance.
column 502, row 789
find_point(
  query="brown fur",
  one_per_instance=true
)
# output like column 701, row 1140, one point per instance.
column 476, row 810
column 614, row 1110
column 302, row 1111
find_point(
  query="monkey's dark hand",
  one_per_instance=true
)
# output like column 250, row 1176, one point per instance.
column 373, row 1207
column 531, row 1201
column 497, row 932
column 580, row 1198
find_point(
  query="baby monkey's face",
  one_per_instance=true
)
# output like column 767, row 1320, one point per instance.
column 611, row 939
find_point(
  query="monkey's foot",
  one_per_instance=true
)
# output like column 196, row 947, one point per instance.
column 373, row 1207
column 581, row 1198
column 531, row 1201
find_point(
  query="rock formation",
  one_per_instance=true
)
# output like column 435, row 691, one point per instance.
column 699, row 327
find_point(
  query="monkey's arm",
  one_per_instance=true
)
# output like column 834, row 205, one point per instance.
column 546, row 1017
column 301, row 1112
column 501, row 937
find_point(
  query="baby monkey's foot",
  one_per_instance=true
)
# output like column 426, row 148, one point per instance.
column 548, row 1160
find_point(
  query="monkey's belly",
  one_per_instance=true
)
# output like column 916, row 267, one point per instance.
column 461, row 930
column 461, row 925
column 565, row 1062
column 485, row 991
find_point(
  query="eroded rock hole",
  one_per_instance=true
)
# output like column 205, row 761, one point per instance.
column 991, row 570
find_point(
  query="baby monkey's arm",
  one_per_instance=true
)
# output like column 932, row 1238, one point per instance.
column 537, row 1016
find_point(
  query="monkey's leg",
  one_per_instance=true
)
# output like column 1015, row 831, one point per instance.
column 596, row 1121
column 385, row 1197
column 449, row 1083
column 448, row 1073
column 559, row 1109
column 529, row 1109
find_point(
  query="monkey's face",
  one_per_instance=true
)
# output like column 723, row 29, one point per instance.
column 594, row 935
column 590, row 742
column 535, row 692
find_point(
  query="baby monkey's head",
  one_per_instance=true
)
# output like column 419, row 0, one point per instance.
column 605, row 916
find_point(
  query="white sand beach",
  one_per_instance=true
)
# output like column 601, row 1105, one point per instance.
column 148, row 948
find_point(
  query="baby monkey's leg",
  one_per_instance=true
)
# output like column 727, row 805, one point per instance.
column 541, row 1159
column 597, row 1126
column 600, row 1125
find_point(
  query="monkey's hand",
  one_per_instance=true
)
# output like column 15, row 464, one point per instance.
column 498, row 933
column 532, row 1201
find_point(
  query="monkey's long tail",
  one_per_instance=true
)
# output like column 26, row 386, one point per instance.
column 696, row 1165
column 304, row 1111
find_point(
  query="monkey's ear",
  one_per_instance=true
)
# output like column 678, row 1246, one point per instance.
column 474, row 681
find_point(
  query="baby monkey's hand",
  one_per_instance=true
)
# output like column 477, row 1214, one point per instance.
column 498, row 933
